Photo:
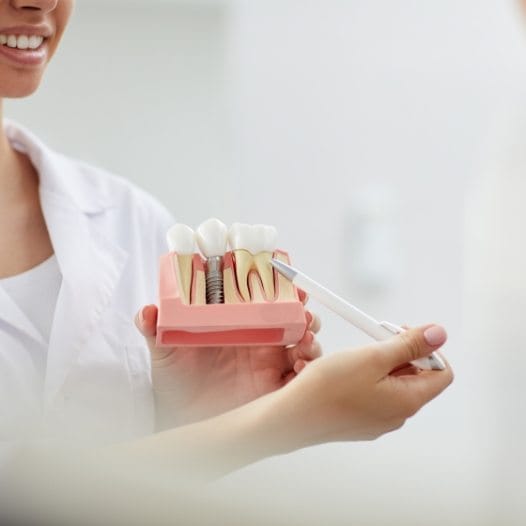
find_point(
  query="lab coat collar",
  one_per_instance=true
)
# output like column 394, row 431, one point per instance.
column 13, row 315
column 56, row 174
column 91, row 264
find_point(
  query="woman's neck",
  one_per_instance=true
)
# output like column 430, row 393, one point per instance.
column 18, row 180
column 24, row 238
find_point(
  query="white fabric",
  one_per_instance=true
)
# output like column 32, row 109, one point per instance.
column 42, row 282
column 107, row 236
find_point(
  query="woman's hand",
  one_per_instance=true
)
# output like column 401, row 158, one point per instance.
column 191, row 383
column 351, row 395
column 359, row 394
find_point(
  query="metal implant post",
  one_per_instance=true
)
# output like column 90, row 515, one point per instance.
column 212, row 239
column 214, row 280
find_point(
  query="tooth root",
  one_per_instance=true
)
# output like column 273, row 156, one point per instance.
column 229, row 280
column 286, row 290
column 244, row 263
column 198, row 292
column 184, row 275
column 256, row 291
column 265, row 271
column 230, row 287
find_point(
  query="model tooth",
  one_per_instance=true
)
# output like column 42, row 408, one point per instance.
column 254, row 284
column 230, row 282
column 253, row 246
column 212, row 238
column 240, row 238
column 198, row 282
column 268, row 236
column 286, row 290
column 245, row 237
column 181, row 240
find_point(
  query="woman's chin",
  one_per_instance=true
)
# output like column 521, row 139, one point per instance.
column 19, row 86
column 18, row 92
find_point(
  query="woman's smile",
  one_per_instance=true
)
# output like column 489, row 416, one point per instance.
column 25, row 46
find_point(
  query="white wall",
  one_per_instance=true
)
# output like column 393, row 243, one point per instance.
column 289, row 112
column 140, row 90
column 334, row 97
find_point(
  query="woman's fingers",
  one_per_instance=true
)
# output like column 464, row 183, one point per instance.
column 299, row 366
column 405, row 370
column 314, row 322
column 409, row 346
column 303, row 296
column 306, row 350
column 146, row 322
column 425, row 386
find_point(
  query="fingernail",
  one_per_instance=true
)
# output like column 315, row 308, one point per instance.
column 141, row 316
column 435, row 336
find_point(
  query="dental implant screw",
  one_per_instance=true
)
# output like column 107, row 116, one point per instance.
column 214, row 280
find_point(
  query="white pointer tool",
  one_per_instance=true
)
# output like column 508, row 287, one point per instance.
column 375, row 329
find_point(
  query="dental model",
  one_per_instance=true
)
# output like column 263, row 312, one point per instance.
column 212, row 238
column 181, row 240
column 253, row 247
column 247, row 302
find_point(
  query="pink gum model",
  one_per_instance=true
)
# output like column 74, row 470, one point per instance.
column 238, row 324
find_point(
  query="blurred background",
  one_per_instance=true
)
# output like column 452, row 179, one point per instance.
column 378, row 136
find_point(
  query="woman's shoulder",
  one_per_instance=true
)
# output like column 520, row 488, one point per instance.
column 114, row 190
column 88, row 187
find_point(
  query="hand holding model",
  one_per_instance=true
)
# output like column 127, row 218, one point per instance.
column 359, row 394
column 195, row 382
column 249, row 402
column 191, row 383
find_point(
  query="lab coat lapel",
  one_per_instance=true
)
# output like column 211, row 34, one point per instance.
column 11, row 314
column 91, row 267
column 91, row 264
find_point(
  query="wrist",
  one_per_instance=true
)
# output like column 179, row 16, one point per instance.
column 278, row 423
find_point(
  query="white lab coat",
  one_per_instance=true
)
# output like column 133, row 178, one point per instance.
column 107, row 236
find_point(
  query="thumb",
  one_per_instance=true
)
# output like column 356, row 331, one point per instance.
column 411, row 345
column 146, row 322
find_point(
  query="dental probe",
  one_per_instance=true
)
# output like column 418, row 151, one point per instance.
column 375, row 329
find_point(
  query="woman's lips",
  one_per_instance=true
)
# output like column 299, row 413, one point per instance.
column 24, row 57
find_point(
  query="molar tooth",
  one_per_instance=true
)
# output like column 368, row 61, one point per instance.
column 253, row 246
column 254, row 284
column 229, row 280
column 268, row 237
column 286, row 290
column 240, row 238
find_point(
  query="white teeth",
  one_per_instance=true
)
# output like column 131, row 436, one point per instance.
column 268, row 238
column 253, row 246
column 181, row 239
column 21, row 41
column 212, row 238
column 253, row 238
column 35, row 41
column 244, row 237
